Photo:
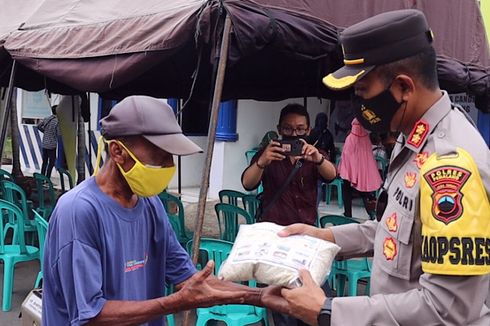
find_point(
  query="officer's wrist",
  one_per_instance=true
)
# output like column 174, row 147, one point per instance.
column 323, row 318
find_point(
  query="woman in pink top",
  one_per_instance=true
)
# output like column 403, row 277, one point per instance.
column 357, row 168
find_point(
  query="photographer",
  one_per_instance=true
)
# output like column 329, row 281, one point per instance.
column 284, row 202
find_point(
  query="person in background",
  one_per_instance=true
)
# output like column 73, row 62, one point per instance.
column 297, row 202
column 49, row 126
column 358, row 169
column 322, row 138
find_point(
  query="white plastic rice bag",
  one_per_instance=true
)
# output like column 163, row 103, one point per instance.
column 260, row 254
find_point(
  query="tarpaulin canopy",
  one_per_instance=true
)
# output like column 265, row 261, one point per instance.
column 12, row 15
column 279, row 48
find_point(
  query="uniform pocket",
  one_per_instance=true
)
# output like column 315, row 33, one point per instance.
column 394, row 244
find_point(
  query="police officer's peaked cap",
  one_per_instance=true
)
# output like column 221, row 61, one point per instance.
column 381, row 39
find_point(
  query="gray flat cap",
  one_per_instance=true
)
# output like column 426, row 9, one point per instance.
column 151, row 118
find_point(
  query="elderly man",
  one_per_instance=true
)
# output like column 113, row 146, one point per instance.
column 110, row 249
column 431, row 241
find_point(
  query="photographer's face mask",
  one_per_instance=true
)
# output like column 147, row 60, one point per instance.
column 375, row 114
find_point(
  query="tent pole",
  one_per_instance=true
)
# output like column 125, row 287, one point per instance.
column 179, row 158
column 7, row 108
column 218, row 88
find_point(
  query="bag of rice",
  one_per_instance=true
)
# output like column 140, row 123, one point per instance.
column 259, row 253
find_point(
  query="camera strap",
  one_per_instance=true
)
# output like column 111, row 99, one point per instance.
column 295, row 170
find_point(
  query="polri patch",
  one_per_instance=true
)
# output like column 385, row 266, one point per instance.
column 421, row 158
column 410, row 179
column 389, row 248
column 446, row 183
column 418, row 134
column 392, row 222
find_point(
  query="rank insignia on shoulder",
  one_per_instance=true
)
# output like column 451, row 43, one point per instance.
column 446, row 183
column 410, row 179
column 389, row 248
column 392, row 222
column 418, row 134
column 421, row 158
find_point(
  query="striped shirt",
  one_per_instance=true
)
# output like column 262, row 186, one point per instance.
column 49, row 126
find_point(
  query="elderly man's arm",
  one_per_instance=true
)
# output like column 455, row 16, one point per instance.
column 201, row 290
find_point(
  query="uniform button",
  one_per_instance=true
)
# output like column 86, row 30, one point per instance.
column 441, row 134
column 296, row 196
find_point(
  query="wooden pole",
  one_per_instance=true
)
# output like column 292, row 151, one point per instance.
column 218, row 89
column 6, row 110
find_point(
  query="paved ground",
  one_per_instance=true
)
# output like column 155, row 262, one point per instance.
column 25, row 273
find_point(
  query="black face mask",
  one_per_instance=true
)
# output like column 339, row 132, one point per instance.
column 375, row 114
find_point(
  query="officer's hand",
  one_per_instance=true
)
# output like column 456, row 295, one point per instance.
column 309, row 153
column 273, row 152
column 306, row 301
column 324, row 234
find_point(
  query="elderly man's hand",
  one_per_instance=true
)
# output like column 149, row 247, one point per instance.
column 205, row 290
column 271, row 298
column 306, row 301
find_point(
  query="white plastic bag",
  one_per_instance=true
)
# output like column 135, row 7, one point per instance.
column 260, row 254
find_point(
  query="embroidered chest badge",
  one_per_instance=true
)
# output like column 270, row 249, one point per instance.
column 446, row 183
column 421, row 158
column 392, row 222
column 418, row 134
column 410, row 179
column 389, row 248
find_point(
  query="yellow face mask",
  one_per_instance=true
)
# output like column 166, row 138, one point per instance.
column 144, row 180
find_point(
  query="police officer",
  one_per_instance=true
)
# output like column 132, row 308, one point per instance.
column 431, row 240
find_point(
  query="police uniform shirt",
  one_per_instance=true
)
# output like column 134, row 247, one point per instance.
column 432, row 244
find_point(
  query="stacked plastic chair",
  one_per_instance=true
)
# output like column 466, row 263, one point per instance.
column 351, row 270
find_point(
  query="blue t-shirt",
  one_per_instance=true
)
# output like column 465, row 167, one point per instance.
column 96, row 250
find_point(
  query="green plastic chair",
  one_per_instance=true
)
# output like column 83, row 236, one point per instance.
column 64, row 173
column 383, row 163
column 231, row 197
column 251, row 204
column 249, row 155
column 352, row 270
column 335, row 183
column 15, row 194
column 5, row 175
column 175, row 212
column 42, row 230
column 45, row 203
column 228, row 220
column 14, row 253
column 232, row 314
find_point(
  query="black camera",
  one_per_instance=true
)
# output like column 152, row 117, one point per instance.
column 292, row 147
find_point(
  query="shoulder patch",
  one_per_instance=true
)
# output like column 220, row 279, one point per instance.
column 418, row 134
column 446, row 183
column 454, row 208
